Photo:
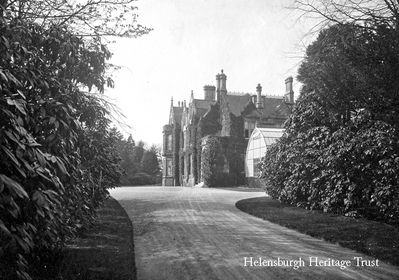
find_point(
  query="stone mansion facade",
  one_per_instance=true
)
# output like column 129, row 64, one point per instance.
column 230, row 117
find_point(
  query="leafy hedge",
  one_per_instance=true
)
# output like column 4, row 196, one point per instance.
column 57, row 151
column 340, row 152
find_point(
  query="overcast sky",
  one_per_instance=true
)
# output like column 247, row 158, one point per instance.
column 254, row 41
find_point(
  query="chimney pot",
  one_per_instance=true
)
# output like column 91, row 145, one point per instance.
column 289, row 92
column 209, row 92
column 223, row 78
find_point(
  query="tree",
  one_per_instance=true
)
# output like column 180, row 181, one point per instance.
column 138, row 153
column 367, row 14
column 150, row 163
column 93, row 18
column 130, row 141
column 340, row 152
column 352, row 69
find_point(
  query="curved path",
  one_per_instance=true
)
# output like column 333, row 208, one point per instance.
column 194, row 233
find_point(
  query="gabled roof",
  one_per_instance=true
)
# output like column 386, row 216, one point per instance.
column 201, row 106
column 273, row 106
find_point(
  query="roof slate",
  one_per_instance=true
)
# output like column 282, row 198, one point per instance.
column 237, row 103
column 272, row 106
column 202, row 106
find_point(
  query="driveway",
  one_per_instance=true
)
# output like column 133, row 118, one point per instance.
column 198, row 233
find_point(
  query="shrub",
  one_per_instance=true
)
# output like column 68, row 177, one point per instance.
column 57, row 151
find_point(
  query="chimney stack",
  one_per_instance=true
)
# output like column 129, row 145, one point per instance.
column 221, row 85
column 259, row 103
column 289, row 92
column 209, row 92
column 222, row 78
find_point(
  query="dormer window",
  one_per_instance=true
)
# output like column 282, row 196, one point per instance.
column 248, row 128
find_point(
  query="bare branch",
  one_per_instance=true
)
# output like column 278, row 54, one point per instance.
column 363, row 13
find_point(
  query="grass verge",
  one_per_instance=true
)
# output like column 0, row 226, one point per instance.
column 372, row 238
column 105, row 251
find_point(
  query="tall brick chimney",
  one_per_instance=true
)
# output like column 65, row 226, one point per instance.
column 209, row 92
column 259, row 101
column 289, row 92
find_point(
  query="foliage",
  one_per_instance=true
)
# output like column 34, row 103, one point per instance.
column 140, row 166
column 58, row 154
column 211, row 162
column 90, row 18
column 340, row 152
column 150, row 162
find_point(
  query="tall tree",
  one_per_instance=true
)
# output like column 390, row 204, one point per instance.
column 150, row 163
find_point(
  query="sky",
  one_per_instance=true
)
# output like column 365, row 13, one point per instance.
column 253, row 41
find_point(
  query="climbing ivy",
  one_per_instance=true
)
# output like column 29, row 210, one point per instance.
column 212, row 161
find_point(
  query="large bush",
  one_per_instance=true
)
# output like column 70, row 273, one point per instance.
column 340, row 152
column 57, row 151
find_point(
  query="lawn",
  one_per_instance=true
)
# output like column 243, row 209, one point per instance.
column 372, row 238
column 105, row 251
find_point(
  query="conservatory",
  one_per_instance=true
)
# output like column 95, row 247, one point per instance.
column 260, row 140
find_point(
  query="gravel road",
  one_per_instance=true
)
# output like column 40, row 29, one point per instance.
column 198, row 233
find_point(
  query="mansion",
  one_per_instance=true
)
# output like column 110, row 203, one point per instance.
column 229, row 117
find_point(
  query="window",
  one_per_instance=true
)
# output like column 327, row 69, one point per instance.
column 168, row 167
column 248, row 128
column 169, row 143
